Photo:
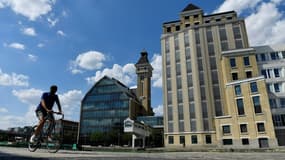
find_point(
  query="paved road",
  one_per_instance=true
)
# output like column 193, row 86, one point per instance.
column 7, row 153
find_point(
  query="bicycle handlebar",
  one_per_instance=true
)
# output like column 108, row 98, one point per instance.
column 58, row 113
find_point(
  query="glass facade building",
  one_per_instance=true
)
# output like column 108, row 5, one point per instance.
column 104, row 108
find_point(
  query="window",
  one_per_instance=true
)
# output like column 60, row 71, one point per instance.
column 168, row 29
column 194, row 139
column 276, row 73
column 208, row 139
column 238, row 90
column 276, row 87
column 246, row 61
column 187, row 25
column 193, row 125
column 240, row 106
column 209, row 34
column 245, row 141
column 263, row 72
column 235, row 76
column 177, row 28
column 226, row 129
column 233, row 62
column 186, row 17
column 170, row 140
column 236, row 30
column 243, row 128
column 272, row 103
column 263, row 57
column 170, row 127
column 227, row 141
column 253, row 87
column 223, row 34
column 260, row 127
column 182, row 140
column 196, row 16
column 274, row 55
column 192, row 110
column 282, row 102
column 256, row 104
column 189, row 80
column 229, row 18
column 180, row 112
column 181, row 126
column 248, row 74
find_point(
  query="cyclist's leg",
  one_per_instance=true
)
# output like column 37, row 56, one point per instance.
column 51, row 126
column 41, row 117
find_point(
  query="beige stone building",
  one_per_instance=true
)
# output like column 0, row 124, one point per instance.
column 213, row 92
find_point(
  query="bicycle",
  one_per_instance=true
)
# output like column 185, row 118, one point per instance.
column 51, row 129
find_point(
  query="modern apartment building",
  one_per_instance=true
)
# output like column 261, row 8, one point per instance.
column 213, row 92
column 271, row 63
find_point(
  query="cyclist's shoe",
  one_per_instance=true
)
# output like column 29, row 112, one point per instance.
column 50, row 139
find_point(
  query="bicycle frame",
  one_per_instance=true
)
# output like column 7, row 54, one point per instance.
column 47, row 131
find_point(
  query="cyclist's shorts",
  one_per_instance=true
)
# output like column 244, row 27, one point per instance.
column 41, row 115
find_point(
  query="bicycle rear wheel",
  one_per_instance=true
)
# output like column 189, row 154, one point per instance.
column 54, row 144
column 32, row 147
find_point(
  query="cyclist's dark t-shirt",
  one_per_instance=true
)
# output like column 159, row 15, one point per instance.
column 49, row 101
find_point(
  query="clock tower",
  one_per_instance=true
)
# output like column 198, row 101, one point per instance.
column 144, row 74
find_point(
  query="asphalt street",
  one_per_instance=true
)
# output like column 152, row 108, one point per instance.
column 9, row 153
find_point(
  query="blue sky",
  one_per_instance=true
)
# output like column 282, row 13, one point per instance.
column 74, row 43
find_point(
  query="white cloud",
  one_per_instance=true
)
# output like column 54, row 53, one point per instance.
column 40, row 45
column 28, row 96
column 17, row 46
column 237, row 5
column 32, row 57
column 156, row 63
column 13, row 79
column 158, row 111
column 126, row 74
column 264, row 28
column 264, row 21
column 29, row 31
column 70, row 102
column 3, row 110
column 90, row 60
column 31, row 9
column 52, row 22
column 61, row 33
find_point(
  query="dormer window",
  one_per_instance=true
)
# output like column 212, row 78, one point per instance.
column 168, row 29
column 196, row 16
column 177, row 28
column 229, row 18
column 218, row 20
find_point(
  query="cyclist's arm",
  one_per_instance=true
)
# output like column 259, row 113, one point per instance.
column 44, row 105
column 58, row 105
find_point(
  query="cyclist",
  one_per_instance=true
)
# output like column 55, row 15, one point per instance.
column 44, row 108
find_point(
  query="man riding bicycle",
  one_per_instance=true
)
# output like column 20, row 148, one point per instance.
column 44, row 108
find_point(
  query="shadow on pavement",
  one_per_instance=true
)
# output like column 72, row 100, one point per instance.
column 6, row 156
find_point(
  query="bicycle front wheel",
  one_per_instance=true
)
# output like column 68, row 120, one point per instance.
column 54, row 142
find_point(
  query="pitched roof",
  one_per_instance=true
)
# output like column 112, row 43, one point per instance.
column 190, row 7
column 143, row 58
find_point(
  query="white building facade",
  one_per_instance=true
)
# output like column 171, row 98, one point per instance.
column 271, row 64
